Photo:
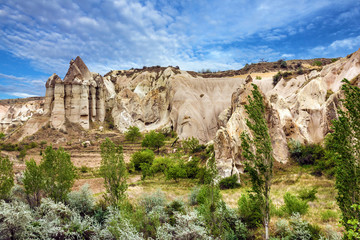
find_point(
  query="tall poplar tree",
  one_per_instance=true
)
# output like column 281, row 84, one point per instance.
column 344, row 144
column 113, row 170
column 258, row 152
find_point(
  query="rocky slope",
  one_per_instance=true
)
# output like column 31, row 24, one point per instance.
column 207, row 107
column 300, row 108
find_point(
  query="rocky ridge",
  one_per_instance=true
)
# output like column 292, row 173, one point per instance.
column 208, row 108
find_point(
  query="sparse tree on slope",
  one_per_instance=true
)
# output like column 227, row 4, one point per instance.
column 257, row 151
column 113, row 170
column 59, row 173
column 33, row 183
column 6, row 177
column 344, row 144
column 132, row 134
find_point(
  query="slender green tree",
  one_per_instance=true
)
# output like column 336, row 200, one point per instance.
column 132, row 134
column 6, row 177
column 344, row 145
column 33, row 183
column 258, row 153
column 59, row 173
column 113, row 170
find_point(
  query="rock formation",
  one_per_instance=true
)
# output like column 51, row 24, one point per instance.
column 300, row 108
column 79, row 98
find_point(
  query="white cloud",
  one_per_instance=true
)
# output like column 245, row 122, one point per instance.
column 335, row 48
column 118, row 34
column 21, row 95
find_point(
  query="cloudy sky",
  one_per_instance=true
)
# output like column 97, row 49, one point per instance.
column 38, row 37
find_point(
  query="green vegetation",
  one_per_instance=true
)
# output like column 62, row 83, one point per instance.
column 142, row 157
column 6, row 177
column 258, row 78
column 33, row 183
column 276, row 78
column 257, row 151
column 113, row 170
column 229, row 182
column 295, row 205
column 2, row 135
column 132, row 134
column 344, row 146
column 153, row 140
column 317, row 63
column 58, row 172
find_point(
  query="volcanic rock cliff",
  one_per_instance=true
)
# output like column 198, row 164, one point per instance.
column 208, row 108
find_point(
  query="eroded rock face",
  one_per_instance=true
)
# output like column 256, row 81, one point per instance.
column 170, row 98
column 301, row 108
column 79, row 98
column 14, row 115
column 227, row 141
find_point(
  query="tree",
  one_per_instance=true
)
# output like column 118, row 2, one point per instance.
column 132, row 134
column 258, row 155
column 344, row 146
column 33, row 183
column 6, row 177
column 113, row 170
column 154, row 140
column 59, row 173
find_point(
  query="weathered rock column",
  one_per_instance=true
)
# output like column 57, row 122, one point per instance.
column 100, row 104
column 49, row 95
column 68, row 96
column 84, row 106
column 92, row 102
column 75, row 103
column 58, row 112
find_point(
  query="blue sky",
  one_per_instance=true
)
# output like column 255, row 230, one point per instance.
column 38, row 38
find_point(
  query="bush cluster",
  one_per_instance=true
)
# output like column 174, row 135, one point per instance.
column 312, row 154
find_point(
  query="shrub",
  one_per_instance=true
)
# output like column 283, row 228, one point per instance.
column 144, row 156
column 282, row 228
column 2, row 135
column 305, row 154
column 300, row 71
column 229, row 182
column 206, row 194
column 204, row 176
column 191, row 145
column 152, row 201
column 308, row 194
column 258, row 78
column 282, row 63
column 193, row 196
column 187, row 226
column 192, row 168
column 249, row 210
column 132, row 134
column 118, row 227
column 22, row 154
column 82, row 200
column 294, row 204
column 154, row 140
column 328, row 215
column 6, row 177
column 176, row 171
column 317, row 63
column 161, row 165
column 43, row 143
column 276, row 78
column 300, row 228
column 15, row 217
